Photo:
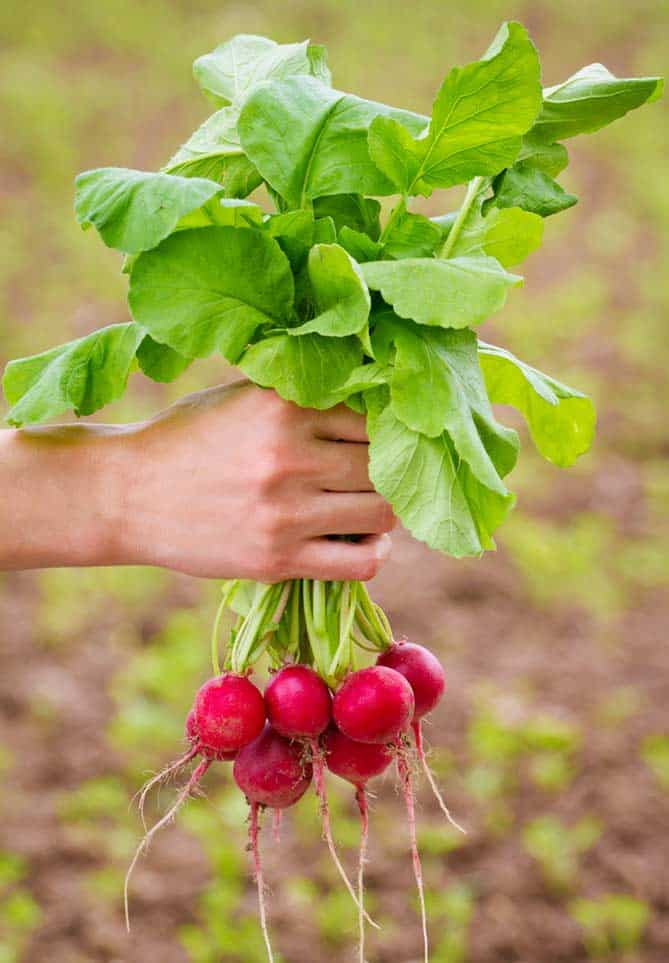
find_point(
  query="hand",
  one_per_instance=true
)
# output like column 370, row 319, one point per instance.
column 236, row 482
column 228, row 483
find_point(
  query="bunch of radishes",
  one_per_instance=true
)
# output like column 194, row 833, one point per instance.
column 281, row 741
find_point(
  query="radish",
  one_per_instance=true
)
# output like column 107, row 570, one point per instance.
column 299, row 706
column 374, row 705
column 192, row 734
column 422, row 670
column 425, row 675
column 377, row 705
column 270, row 771
column 228, row 713
column 357, row 763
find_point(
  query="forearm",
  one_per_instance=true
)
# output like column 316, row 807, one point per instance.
column 61, row 496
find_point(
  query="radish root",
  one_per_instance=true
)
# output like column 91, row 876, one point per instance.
column 160, row 777
column 260, row 882
column 276, row 826
column 182, row 796
column 319, row 782
column 429, row 775
column 404, row 773
column 361, row 799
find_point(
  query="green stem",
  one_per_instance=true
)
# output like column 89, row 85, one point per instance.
column 347, row 610
column 228, row 593
column 472, row 191
column 380, row 627
column 400, row 208
column 315, row 641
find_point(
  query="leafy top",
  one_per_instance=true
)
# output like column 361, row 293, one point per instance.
column 321, row 299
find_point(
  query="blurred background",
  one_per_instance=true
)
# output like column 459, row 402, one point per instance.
column 553, row 741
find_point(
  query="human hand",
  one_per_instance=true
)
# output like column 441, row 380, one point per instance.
column 235, row 482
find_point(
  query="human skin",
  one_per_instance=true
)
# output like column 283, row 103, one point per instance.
column 228, row 482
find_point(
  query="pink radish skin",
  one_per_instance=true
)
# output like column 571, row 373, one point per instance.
column 374, row 705
column 356, row 762
column 194, row 739
column 229, row 713
column 422, row 670
column 299, row 704
column 270, row 770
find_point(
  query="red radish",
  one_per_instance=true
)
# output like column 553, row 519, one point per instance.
column 425, row 675
column 422, row 670
column 270, row 771
column 229, row 713
column 299, row 704
column 374, row 705
column 357, row 762
column 194, row 739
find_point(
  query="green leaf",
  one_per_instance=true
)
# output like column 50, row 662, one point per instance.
column 160, row 362
column 325, row 231
column 134, row 210
column 298, row 225
column 549, row 158
column 309, row 141
column 309, row 369
column 223, row 212
column 366, row 376
column 437, row 385
column 351, row 210
column 294, row 231
column 83, row 375
column 210, row 289
column 478, row 118
column 339, row 292
column 360, row 246
column 455, row 293
column 430, row 487
column 318, row 57
column 561, row 420
column 508, row 235
column 589, row 100
column 214, row 152
column 531, row 190
column 234, row 68
column 411, row 235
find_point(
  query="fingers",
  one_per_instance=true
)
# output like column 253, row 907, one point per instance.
column 363, row 513
column 343, row 467
column 324, row 559
column 341, row 424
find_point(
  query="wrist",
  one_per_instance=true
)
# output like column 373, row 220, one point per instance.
column 66, row 504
